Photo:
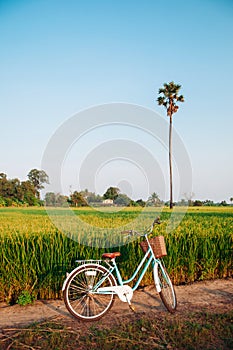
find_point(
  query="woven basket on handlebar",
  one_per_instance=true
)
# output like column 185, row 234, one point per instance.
column 157, row 244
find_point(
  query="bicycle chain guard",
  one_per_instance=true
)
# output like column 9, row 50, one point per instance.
column 125, row 293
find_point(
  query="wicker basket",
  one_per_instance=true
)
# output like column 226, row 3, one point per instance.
column 157, row 244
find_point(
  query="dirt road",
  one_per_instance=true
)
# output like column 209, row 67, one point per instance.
column 211, row 296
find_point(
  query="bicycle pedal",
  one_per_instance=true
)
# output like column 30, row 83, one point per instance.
column 132, row 307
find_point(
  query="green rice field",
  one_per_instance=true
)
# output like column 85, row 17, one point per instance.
column 35, row 255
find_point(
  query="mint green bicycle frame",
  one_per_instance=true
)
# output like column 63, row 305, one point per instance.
column 152, row 259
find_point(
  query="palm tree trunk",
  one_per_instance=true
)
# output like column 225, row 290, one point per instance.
column 170, row 161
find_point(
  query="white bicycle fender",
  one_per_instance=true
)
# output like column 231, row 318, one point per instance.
column 68, row 274
column 156, row 278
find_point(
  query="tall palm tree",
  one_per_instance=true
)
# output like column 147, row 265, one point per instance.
column 169, row 98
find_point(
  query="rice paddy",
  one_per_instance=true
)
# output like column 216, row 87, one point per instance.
column 35, row 254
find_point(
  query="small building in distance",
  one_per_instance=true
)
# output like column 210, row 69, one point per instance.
column 108, row 202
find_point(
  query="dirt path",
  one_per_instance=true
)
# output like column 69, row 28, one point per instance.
column 211, row 296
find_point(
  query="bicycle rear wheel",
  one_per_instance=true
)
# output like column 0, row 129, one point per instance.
column 80, row 296
column 167, row 293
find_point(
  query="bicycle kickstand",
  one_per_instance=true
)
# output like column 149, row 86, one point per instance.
column 132, row 307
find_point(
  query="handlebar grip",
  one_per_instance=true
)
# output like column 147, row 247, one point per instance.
column 157, row 221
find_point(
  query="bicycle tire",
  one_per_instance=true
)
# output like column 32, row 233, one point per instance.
column 79, row 298
column 167, row 293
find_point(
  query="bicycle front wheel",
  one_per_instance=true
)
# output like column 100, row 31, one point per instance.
column 167, row 292
column 81, row 297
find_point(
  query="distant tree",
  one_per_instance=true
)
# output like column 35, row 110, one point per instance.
column 197, row 203
column 77, row 200
column 133, row 203
column 38, row 178
column 8, row 202
column 3, row 185
column 154, row 200
column 55, row 199
column 169, row 98
column 182, row 202
column 91, row 197
column 111, row 193
column 14, row 189
column 14, row 192
column 85, row 193
column 10, row 189
column 50, row 199
column 223, row 203
column 231, row 199
column 2, row 202
column 122, row 200
column 208, row 203
column 141, row 203
column 28, row 191
column 61, row 200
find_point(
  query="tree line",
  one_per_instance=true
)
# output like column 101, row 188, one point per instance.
column 14, row 192
column 112, row 196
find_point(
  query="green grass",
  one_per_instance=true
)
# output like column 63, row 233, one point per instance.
column 193, row 331
column 35, row 255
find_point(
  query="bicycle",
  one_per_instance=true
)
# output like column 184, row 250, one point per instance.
column 90, row 289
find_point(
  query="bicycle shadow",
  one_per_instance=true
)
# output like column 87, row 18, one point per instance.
column 144, row 301
column 58, row 310
column 150, row 302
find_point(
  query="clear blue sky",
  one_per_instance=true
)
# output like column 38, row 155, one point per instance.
column 59, row 57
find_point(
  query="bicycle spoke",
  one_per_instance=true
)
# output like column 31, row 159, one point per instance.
column 78, row 296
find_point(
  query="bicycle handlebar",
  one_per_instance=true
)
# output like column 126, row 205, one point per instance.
column 157, row 221
column 150, row 229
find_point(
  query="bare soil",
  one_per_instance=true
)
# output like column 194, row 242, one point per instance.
column 211, row 296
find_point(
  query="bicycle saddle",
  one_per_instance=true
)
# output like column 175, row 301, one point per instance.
column 111, row 255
